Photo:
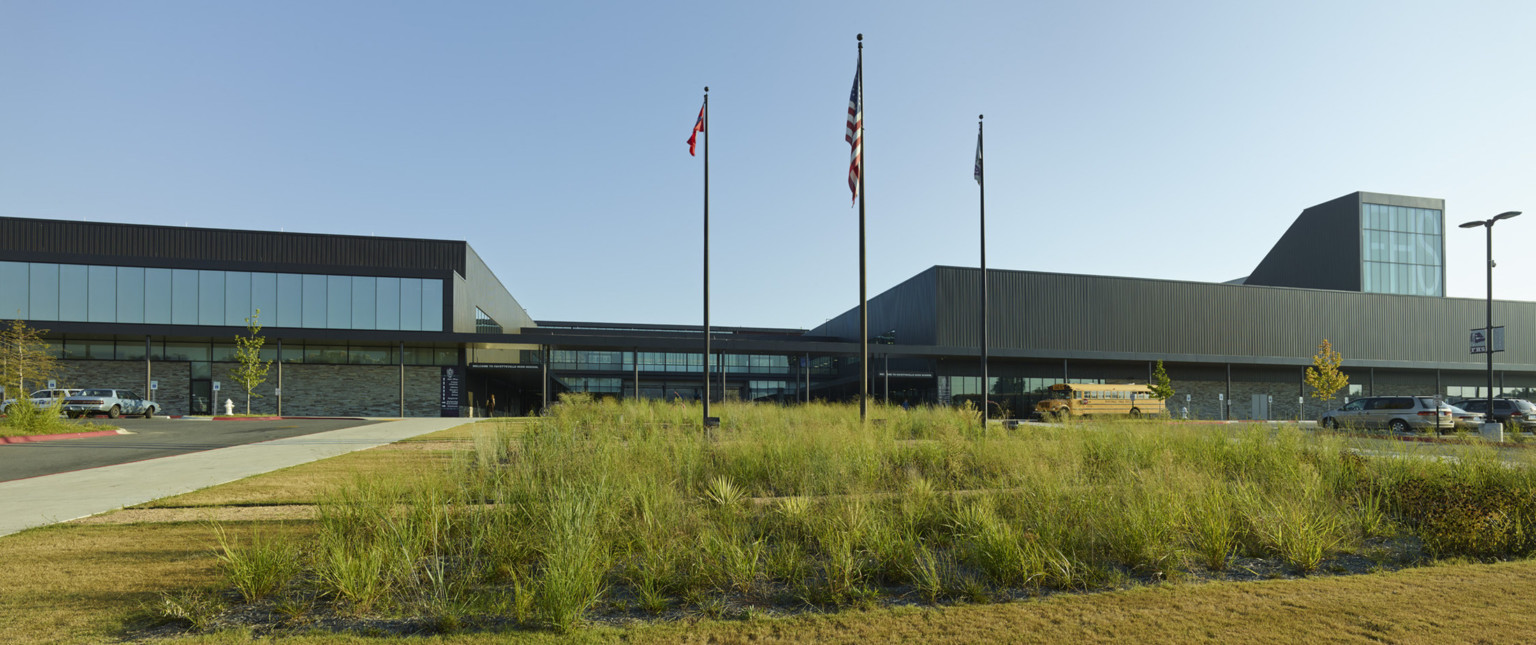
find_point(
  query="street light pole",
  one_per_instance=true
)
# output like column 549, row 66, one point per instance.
column 1488, row 331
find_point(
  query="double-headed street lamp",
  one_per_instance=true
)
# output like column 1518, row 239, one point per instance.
column 1488, row 332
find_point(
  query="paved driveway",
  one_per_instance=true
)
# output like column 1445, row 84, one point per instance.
column 37, row 501
column 152, row 438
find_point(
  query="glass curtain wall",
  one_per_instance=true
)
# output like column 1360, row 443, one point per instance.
column 108, row 294
column 1402, row 250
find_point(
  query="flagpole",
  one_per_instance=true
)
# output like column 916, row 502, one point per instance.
column 981, row 179
column 863, row 276
column 707, row 136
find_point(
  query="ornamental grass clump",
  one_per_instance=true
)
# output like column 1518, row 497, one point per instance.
column 609, row 508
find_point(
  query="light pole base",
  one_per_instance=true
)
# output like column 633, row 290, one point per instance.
column 1492, row 431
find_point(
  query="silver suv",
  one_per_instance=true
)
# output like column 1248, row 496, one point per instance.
column 1396, row 413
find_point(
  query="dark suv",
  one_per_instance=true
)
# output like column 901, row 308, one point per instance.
column 1510, row 412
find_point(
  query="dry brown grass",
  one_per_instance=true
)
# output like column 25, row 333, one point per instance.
column 306, row 483
column 1444, row 604
column 82, row 584
column 466, row 432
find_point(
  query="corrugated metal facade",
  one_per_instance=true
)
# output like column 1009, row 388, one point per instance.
column 910, row 308
column 1053, row 312
column 1057, row 315
column 141, row 245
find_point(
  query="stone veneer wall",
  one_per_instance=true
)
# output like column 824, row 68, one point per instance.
column 308, row 390
column 338, row 390
column 172, row 376
column 1204, row 403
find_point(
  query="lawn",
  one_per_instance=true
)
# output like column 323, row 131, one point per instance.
column 606, row 522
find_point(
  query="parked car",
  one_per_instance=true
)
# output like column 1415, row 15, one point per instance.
column 1464, row 419
column 113, row 403
column 1510, row 412
column 40, row 399
column 1396, row 413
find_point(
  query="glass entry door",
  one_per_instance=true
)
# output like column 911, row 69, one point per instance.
column 201, row 399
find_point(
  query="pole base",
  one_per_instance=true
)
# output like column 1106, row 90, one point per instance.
column 1492, row 431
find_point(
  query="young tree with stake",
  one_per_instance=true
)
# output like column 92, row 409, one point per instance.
column 252, row 371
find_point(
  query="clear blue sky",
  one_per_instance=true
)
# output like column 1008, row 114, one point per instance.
column 1157, row 139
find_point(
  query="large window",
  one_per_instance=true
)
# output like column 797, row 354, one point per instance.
column 1402, row 250
column 108, row 294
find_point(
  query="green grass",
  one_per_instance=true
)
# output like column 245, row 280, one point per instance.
column 25, row 419
column 605, row 507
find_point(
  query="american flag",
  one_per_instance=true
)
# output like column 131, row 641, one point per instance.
column 855, row 135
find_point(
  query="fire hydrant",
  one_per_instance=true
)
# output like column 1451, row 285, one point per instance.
column 229, row 408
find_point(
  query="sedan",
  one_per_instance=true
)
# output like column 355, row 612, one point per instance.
column 113, row 403
column 1466, row 420
column 40, row 399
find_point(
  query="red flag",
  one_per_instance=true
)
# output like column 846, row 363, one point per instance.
column 698, row 126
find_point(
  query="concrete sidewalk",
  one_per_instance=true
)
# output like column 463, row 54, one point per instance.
column 58, row 498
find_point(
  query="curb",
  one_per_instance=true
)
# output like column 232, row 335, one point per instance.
column 34, row 438
column 187, row 417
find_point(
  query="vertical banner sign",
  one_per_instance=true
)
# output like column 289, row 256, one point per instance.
column 450, row 394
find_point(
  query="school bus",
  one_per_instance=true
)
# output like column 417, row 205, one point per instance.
column 1085, row 399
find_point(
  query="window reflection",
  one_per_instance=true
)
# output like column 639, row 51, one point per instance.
column 157, row 296
column 314, row 301
column 363, row 311
column 13, row 290
column 130, row 295
column 101, row 294
column 237, row 298
column 210, row 298
column 183, row 297
column 1401, row 250
column 387, row 304
column 264, row 297
column 290, row 300
column 73, row 292
column 109, row 294
column 338, row 302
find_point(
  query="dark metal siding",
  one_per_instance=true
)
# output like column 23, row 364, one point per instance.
column 140, row 245
column 1321, row 249
column 1070, row 314
column 909, row 308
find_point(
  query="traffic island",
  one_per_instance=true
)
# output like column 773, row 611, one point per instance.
column 34, row 438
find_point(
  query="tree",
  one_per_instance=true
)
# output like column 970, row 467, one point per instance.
column 252, row 371
column 24, row 358
column 1162, row 386
column 1324, row 376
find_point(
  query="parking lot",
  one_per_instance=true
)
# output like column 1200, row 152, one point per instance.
column 151, row 439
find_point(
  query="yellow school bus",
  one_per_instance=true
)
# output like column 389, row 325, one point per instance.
column 1085, row 399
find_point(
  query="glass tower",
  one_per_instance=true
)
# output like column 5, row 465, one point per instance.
column 1402, row 250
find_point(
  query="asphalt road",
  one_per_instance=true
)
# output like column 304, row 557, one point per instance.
column 152, row 439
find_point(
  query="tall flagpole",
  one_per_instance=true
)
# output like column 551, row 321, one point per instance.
column 863, row 298
column 707, row 136
column 981, row 180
